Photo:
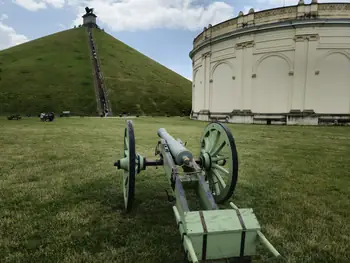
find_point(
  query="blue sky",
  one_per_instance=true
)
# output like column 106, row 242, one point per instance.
column 161, row 29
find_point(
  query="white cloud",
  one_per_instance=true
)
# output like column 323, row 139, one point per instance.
column 330, row 1
column 31, row 5
column 56, row 3
column 9, row 37
column 132, row 15
column 35, row 5
column 3, row 17
column 278, row 3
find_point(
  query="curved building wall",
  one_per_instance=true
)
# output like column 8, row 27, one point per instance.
column 286, row 65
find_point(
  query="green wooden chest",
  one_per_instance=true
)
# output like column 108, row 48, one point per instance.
column 219, row 234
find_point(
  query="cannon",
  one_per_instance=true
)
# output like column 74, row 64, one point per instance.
column 47, row 116
column 209, row 234
column 14, row 117
column 65, row 114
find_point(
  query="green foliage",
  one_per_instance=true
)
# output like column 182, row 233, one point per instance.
column 138, row 84
column 54, row 73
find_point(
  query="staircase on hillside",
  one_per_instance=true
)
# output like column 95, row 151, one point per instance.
column 100, row 88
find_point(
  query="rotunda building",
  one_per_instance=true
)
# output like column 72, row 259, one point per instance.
column 288, row 65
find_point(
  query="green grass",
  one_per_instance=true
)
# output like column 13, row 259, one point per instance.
column 61, row 199
column 52, row 73
column 138, row 84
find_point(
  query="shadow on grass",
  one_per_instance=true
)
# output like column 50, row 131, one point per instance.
column 88, row 223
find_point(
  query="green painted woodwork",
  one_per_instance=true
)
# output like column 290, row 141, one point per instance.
column 194, row 230
column 224, row 232
column 201, row 191
column 128, row 164
column 252, row 228
column 219, row 232
column 124, row 163
column 189, row 181
column 218, row 156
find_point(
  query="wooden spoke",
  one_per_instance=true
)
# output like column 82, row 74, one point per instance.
column 220, row 180
column 219, row 147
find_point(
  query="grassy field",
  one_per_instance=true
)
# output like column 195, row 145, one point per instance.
column 54, row 73
column 147, row 87
column 61, row 199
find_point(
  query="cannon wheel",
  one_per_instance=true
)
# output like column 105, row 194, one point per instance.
column 129, row 174
column 219, row 159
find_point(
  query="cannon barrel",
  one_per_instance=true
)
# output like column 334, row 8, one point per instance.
column 177, row 150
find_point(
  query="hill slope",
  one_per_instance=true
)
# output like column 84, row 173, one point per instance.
column 50, row 73
column 55, row 73
column 136, row 83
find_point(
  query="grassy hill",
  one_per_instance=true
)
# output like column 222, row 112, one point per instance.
column 135, row 83
column 50, row 73
column 55, row 73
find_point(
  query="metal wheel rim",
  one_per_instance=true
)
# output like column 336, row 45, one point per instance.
column 211, row 143
column 129, row 175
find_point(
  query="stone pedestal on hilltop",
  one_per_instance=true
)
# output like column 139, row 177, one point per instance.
column 89, row 19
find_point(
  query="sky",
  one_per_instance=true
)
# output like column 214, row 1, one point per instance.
column 161, row 29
